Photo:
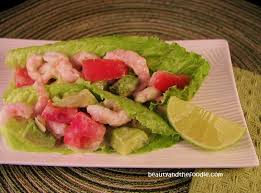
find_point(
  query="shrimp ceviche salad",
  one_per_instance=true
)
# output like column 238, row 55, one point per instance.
column 101, row 94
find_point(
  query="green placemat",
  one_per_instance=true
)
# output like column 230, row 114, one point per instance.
column 247, row 180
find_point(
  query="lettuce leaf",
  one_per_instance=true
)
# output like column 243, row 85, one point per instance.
column 146, row 46
column 24, row 135
column 147, row 118
column 26, row 95
column 60, row 89
column 159, row 56
column 29, row 95
column 136, row 111
column 159, row 141
column 164, row 136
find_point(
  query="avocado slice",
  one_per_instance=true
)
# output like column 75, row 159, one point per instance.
column 80, row 99
column 102, row 84
column 126, row 140
column 125, row 86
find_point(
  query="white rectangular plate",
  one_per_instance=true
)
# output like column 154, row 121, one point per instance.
column 217, row 94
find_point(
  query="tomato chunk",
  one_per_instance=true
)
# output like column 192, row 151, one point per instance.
column 58, row 114
column 162, row 80
column 83, row 132
column 22, row 78
column 103, row 69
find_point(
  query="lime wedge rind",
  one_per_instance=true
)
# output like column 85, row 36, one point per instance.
column 202, row 128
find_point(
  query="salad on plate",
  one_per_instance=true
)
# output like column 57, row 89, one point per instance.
column 100, row 94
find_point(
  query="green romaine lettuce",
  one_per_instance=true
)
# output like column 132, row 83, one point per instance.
column 137, row 111
column 29, row 95
column 26, row 95
column 25, row 136
column 159, row 141
column 60, row 89
column 159, row 56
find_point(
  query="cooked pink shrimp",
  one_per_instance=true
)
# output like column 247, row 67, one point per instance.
column 148, row 94
column 67, row 72
column 54, row 57
column 80, row 57
column 57, row 129
column 114, row 116
column 47, row 72
column 43, row 98
column 111, row 105
column 32, row 65
column 134, row 61
column 51, row 65
column 61, row 66
column 15, row 110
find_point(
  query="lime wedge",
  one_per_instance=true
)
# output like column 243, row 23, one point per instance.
column 202, row 128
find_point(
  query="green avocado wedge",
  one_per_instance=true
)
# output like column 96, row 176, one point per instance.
column 125, row 86
column 126, row 140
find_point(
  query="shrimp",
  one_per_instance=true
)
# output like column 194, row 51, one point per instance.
column 67, row 72
column 32, row 65
column 47, row 72
column 134, row 61
column 57, row 129
column 51, row 65
column 43, row 98
column 105, row 115
column 54, row 57
column 60, row 67
column 148, row 94
column 80, row 57
column 111, row 105
column 15, row 110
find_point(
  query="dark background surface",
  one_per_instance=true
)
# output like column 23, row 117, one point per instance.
column 237, row 21
column 5, row 4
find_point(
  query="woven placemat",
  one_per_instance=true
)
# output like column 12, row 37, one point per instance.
column 237, row 21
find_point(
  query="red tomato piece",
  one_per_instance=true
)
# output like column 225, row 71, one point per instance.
column 162, row 80
column 58, row 114
column 83, row 132
column 103, row 69
column 22, row 78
